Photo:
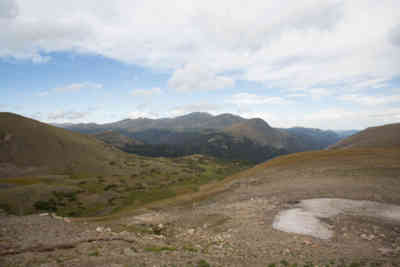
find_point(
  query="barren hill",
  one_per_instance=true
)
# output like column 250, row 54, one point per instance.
column 27, row 145
column 381, row 136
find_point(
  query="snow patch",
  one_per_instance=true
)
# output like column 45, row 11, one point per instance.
column 304, row 218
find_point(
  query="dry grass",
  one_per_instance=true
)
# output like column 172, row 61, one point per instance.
column 387, row 136
column 343, row 156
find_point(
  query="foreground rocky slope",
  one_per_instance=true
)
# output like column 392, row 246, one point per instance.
column 234, row 227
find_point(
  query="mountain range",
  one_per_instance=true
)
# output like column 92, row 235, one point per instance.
column 238, row 138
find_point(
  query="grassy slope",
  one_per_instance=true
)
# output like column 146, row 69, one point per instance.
column 116, row 139
column 77, row 175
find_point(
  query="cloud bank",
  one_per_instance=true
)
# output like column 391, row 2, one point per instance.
column 208, row 45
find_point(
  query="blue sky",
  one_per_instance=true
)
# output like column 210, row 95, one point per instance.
column 325, row 64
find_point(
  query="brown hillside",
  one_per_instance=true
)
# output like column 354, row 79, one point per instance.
column 382, row 136
column 27, row 146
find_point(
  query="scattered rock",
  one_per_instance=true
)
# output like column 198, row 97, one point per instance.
column 367, row 237
column 129, row 252
column 157, row 229
column 190, row 231
column 307, row 242
column 386, row 251
column 55, row 216
column 100, row 229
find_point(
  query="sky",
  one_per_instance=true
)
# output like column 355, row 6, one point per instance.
column 323, row 64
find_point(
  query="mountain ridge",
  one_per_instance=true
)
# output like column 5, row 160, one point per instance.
column 187, row 128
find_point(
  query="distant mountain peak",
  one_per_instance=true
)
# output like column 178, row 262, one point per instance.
column 196, row 115
column 257, row 122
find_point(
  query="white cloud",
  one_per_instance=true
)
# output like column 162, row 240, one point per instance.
column 8, row 9
column 201, row 107
column 43, row 93
column 296, row 95
column 143, row 114
column 74, row 87
column 371, row 99
column 146, row 92
column 335, row 118
column 371, row 83
column 78, row 86
column 395, row 35
column 314, row 93
column 253, row 99
column 331, row 114
column 197, row 77
column 67, row 115
column 288, row 44
column 318, row 93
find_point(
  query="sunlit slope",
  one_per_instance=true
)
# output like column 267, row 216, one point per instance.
column 27, row 145
column 382, row 136
column 260, row 132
